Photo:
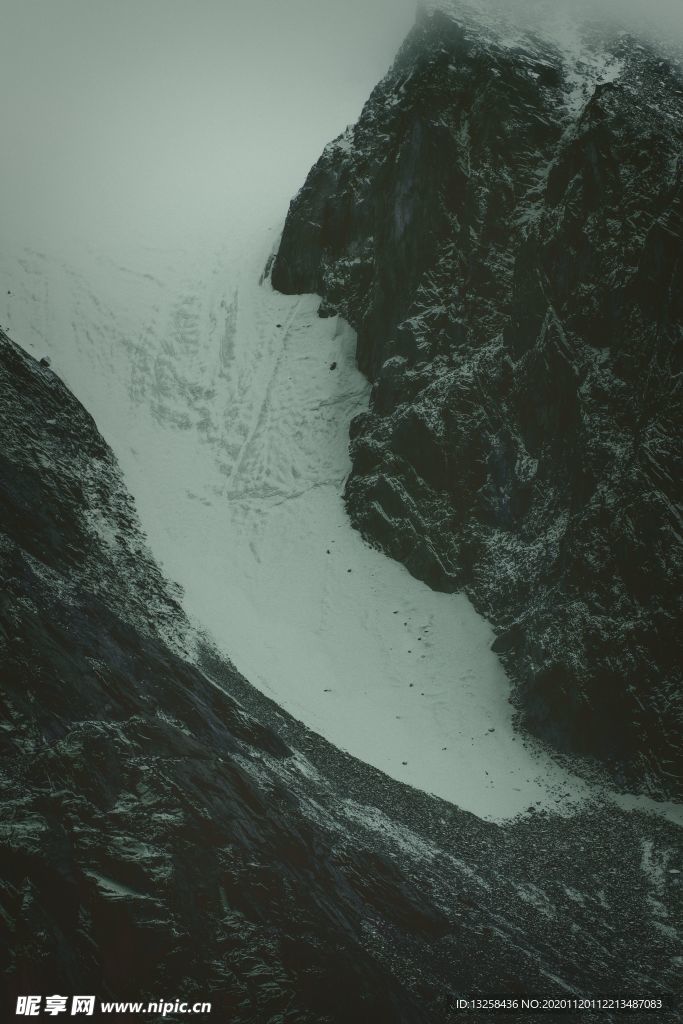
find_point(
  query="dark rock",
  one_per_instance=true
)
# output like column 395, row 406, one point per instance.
column 512, row 265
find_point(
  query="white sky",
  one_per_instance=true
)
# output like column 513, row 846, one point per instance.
column 157, row 117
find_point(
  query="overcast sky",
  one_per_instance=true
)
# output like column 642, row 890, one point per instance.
column 156, row 116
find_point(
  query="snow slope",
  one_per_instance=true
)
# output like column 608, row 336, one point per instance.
column 219, row 399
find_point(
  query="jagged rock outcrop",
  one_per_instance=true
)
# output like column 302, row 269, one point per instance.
column 503, row 229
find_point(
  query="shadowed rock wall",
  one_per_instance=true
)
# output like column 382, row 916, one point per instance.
column 503, row 229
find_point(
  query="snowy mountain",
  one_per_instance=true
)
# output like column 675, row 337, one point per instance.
column 503, row 229
column 246, row 757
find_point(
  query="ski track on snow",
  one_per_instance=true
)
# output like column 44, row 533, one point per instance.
column 217, row 397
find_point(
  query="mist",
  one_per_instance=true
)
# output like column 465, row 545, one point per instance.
column 661, row 18
column 155, row 119
column 657, row 20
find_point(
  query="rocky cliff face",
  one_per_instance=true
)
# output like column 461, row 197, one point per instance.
column 169, row 833
column 503, row 229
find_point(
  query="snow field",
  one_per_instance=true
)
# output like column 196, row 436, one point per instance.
column 219, row 399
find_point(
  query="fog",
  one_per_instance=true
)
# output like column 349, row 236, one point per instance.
column 661, row 20
column 156, row 118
